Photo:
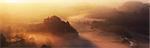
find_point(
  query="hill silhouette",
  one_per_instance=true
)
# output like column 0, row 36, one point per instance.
column 68, row 36
column 55, row 26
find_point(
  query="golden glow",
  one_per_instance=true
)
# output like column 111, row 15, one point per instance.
column 14, row 1
column 35, row 10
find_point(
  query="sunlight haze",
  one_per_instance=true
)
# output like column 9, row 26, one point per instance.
column 35, row 10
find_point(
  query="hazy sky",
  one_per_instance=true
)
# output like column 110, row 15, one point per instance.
column 36, row 10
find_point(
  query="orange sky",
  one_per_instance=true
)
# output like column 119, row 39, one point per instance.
column 36, row 10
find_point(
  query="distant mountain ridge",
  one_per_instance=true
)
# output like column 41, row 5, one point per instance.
column 54, row 25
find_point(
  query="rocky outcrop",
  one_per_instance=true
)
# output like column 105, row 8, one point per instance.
column 54, row 25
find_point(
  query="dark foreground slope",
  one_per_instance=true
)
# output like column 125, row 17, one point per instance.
column 51, row 33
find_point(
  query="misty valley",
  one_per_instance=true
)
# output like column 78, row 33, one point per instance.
column 80, row 24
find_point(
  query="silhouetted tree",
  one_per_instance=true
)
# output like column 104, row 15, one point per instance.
column 3, row 41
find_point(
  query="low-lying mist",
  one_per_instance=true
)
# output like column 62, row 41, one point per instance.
column 131, row 18
column 93, row 27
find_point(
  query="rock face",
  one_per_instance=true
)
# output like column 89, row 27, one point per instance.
column 56, row 26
